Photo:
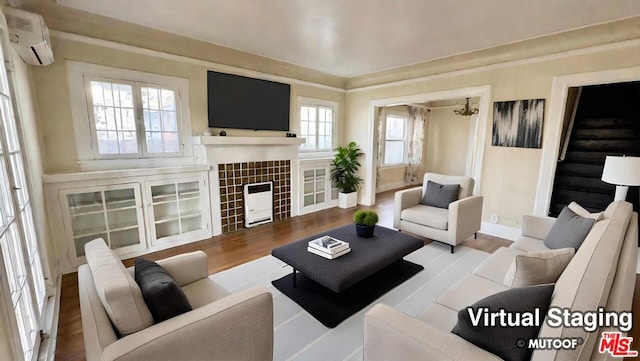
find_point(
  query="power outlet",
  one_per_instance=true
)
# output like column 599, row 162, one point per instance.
column 494, row 218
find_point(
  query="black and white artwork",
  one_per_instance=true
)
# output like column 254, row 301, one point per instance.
column 518, row 123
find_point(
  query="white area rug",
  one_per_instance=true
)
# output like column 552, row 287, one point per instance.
column 299, row 336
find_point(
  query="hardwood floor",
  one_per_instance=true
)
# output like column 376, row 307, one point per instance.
column 229, row 250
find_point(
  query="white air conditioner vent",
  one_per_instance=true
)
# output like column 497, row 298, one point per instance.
column 29, row 36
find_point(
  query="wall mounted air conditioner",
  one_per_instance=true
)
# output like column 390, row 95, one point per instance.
column 29, row 36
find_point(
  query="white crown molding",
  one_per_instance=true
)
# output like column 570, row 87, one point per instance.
column 207, row 64
column 506, row 64
column 267, row 76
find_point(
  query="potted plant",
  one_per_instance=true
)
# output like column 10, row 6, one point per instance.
column 343, row 174
column 365, row 223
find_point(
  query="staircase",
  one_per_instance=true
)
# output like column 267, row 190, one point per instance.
column 603, row 126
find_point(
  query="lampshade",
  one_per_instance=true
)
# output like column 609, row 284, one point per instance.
column 622, row 170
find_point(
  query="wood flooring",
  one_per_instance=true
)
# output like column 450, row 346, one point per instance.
column 229, row 250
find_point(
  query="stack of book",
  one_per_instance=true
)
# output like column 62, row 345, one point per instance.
column 328, row 247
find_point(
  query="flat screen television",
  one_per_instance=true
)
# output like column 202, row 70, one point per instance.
column 238, row 102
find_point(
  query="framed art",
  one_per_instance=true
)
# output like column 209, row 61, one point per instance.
column 518, row 123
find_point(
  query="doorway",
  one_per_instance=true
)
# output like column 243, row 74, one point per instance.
column 553, row 133
column 605, row 122
column 477, row 143
column 413, row 139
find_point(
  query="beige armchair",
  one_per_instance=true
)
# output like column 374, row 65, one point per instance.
column 221, row 326
column 450, row 226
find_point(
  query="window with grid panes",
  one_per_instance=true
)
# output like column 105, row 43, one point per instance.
column 395, row 142
column 133, row 119
column 316, row 126
column 20, row 262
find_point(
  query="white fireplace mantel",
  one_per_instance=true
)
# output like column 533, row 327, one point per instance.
column 228, row 140
column 216, row 150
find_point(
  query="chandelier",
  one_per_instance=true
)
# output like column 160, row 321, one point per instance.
column 466, row 111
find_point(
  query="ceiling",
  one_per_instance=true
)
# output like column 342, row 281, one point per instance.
column 355, row 37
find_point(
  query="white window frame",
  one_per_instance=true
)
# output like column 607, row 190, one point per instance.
column 312, row 102
column 383, row 135
column 78, row 77
column 29, row 307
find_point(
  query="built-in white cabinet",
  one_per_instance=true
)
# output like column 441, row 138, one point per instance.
column 135, row 212
column 176, row 209
column 113, row 213
column 316, row 190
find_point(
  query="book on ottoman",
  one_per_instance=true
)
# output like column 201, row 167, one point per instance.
column 327, row 255
column 328, row 245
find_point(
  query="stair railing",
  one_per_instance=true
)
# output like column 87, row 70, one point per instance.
column 565, row 142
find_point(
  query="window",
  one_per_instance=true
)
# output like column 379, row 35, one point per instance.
column 20, row 265
column 130, row 115
column 117, row 129
column 317, row 123
column 395, row 134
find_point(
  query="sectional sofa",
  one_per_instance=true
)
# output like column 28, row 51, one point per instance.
column 600, row 274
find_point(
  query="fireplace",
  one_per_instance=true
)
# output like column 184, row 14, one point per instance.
column 233, row 177
column 236, row 161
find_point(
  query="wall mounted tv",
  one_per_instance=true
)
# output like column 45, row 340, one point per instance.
column 238, row 102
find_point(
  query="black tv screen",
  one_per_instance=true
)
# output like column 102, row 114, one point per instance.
column 239, row 102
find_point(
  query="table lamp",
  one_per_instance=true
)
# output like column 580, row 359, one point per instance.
column 623, row 172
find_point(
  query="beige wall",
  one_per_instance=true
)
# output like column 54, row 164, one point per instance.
column 53, row 96
column 447, row 142
column 509, row 175
column 390, row 178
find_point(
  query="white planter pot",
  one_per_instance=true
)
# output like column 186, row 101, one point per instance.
column 347, row 200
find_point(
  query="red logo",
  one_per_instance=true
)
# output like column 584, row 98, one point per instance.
column 617, row 345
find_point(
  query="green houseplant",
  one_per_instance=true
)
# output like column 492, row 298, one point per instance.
column 344, row 174
column 365, row 223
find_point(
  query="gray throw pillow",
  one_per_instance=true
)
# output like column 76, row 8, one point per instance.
column 569, row 230
column 503, row 341
column 161, row 293
column 440, row 195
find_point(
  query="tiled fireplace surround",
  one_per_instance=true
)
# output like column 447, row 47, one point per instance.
column 236, row 161
column 233, row 176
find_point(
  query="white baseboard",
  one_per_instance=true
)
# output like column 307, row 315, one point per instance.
column 390, row 186
column 498, row 230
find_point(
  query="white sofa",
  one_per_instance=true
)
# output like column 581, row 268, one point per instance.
column 600, row 274
column 221, row 326
column 450, row 226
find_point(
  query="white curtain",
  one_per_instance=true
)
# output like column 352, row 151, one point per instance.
column 418, row 123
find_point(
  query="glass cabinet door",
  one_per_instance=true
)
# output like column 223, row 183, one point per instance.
column 177, row 208
column 111, row 213
column 317, row 190
column 315, row 181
